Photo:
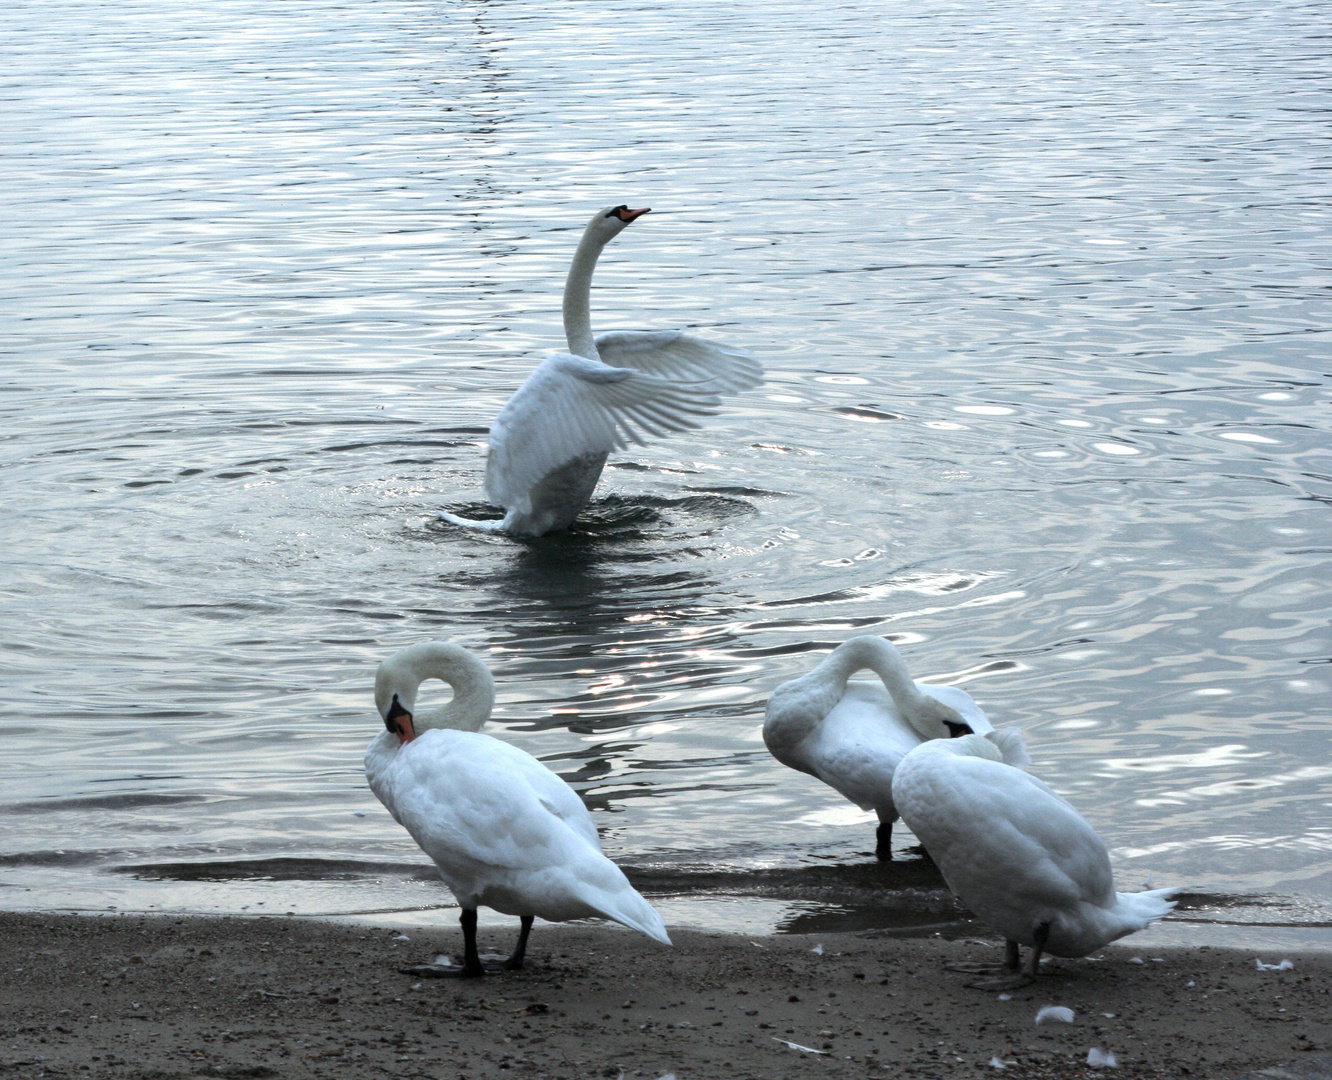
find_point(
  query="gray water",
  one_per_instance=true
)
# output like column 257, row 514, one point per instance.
column 1042, row 293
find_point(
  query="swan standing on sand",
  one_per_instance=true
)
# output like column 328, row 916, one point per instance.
column 503, row 829
column 551, row 439
column 852, row 735
column 1017, row 855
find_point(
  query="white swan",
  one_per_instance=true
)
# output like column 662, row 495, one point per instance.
column 1017, row 855
column 551, row 439
column 503, row 829
column 851, row 735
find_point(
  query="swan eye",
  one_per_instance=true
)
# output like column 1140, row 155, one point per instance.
column 618, row 212
column 956, row 731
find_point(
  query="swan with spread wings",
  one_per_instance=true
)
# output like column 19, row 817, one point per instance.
column 550, row 441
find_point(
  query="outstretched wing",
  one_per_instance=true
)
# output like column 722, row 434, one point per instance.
column 674, row 355
column 572, row 408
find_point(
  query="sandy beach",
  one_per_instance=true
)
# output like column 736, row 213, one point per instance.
column 155, row 998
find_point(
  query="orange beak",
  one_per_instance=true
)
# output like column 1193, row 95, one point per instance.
column 626, row 215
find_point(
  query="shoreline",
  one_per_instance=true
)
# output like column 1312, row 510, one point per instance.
column 157, row 997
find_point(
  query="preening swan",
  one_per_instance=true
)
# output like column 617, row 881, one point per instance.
column 851, row 735
column 550, row 441
column 503, row 829
column 1016, row 854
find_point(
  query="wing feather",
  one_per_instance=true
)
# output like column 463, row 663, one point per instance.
column 681, row 357
column 572, row 408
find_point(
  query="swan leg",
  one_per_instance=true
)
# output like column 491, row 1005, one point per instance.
column 1027, row 975
column 515, row 960
column 471, row 965
column 1011, row 964
column 883, row 842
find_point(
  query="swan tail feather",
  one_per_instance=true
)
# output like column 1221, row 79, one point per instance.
column 627, row 907
column 1148, row 906
column 471, row 523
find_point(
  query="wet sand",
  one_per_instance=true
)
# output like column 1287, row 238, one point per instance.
column 156, row 998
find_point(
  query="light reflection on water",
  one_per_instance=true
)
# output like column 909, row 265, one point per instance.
column 1043, row 306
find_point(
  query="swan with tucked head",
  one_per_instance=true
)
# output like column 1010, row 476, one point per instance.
column 550, row 441
column 504, row 831
column 852, row 734
column 1017, row 855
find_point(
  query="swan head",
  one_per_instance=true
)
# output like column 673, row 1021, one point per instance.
column 400, row 676
column 399, row 722
column 935, row 720
column 609, row 222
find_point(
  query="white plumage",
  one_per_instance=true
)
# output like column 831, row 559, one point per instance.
column 550, row 441
column 504, row 831
column 1016, row 853
column 852, row 735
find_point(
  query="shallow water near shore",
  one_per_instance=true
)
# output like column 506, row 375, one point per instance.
column 1043, row 306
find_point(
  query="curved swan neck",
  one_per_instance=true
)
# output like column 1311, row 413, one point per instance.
column 473, row 686
column 885, row 661
column 578, row 294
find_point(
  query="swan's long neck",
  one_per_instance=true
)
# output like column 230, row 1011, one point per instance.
column 473, row 686
column 885, row 661
column 577, row 296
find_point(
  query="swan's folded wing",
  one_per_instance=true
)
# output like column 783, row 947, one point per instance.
column 680, row 357
column 488, row 803
column 571, row 408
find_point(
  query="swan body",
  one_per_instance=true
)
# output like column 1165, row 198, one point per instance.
column 550, row 441
column 852, row 734
column 504, row 831
column 1015, row 853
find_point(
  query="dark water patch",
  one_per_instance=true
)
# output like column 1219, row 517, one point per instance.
column 220, row 609
column 740, row 491
column 1041, row 649
column 277, row 869
column 59, row 858
column 936, row 584
column 371, row 444
column 868, row 413
column 630, row 517
column 129, row 801
column 905, row 921
column 851, row 883
column 632, row 466
column 255, row 462
column 297, row 422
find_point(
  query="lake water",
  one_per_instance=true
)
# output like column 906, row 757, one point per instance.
column 1042, row 294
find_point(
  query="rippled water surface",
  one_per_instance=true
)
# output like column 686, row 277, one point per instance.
column 1043, row 299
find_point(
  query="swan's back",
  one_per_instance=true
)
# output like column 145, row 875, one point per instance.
column 1014, row 851
column 467, row 796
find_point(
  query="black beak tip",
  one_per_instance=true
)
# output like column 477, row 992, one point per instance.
column 395, row 712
